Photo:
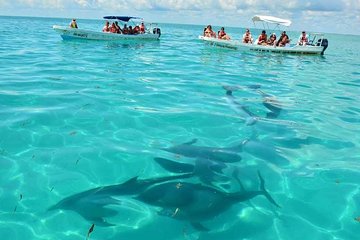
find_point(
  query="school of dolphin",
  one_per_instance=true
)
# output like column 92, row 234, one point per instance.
column 178, row 195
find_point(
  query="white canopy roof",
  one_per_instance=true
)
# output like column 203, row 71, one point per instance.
column 273, row 20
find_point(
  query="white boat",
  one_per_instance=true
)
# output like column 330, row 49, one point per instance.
column 68, row 33
column 317, row 43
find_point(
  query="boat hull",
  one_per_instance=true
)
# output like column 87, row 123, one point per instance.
column 296, row 49
column 74, row 33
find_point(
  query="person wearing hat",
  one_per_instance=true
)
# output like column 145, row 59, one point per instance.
column 73, row 24
column 303, row 39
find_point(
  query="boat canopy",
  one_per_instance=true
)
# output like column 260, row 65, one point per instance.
column 121, row 18
column 273, row 20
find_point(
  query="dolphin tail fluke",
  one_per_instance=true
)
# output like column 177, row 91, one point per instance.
column 174, row 167
column 274, row 110
column 264, row 192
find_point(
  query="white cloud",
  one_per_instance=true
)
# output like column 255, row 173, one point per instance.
column 193, row 5
column 83, row 3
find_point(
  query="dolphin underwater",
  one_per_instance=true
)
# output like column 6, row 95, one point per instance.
column 195, row 202
column 272, row 104
column 206, row 170
column 264, row 151
column 249, row 117
column 227, row 155
column 268, row 101
column 92, row 204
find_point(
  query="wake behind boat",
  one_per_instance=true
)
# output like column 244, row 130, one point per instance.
column 151, row 32
column 315, row 44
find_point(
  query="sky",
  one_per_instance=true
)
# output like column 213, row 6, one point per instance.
column 329, row 16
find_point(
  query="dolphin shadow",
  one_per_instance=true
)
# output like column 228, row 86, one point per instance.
column 265, row 151
column 299, row 142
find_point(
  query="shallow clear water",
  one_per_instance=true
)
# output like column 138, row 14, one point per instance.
column 76, row 115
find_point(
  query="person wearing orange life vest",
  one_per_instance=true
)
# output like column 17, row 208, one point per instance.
column 262, row 39
column 222, row 34
column 142, row 28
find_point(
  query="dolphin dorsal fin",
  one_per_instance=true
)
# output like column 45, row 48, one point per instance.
column 131, row 180
column 191, row 142
column 198, row 226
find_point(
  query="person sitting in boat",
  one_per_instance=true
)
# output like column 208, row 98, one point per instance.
column 262, row 38
column 113, row 28
column 131, row 30
column 303, row 39
column 283, row 40
column 272, row 40
column 73, row 24
column 106, row 28
column 247, row 38
column 208, row 32
column 142, row 28
column 222, row 34
column 125, row 30
column 117, row 27
column 136, row 30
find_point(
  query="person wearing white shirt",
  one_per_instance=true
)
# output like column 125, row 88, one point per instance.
column 303, row 39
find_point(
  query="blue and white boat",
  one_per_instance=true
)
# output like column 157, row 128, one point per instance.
column 317, row 43
column 152, row 31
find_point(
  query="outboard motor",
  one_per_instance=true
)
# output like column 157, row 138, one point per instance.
column 157, row 31
column 324, row 43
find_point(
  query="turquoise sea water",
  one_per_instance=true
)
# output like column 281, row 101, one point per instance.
column 76, row 115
